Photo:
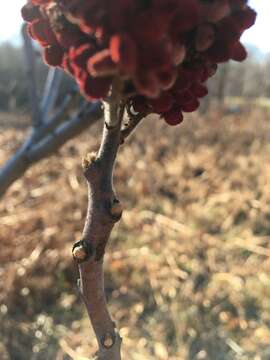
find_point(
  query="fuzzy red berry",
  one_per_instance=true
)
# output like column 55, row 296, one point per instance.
column 30, row 12
column 239, row 53
column 163, row 103
column 41, row 31
column 123, row 52
column 53, row 55
column 96, row 88
column 174, row 116
column 101, row 64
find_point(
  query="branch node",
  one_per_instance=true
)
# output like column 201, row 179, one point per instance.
column 88, row 160
column 116, row 209
column 82, row 251
column 108, row 340
column 110, row 127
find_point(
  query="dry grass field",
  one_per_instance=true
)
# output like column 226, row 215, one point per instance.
column 188, row 267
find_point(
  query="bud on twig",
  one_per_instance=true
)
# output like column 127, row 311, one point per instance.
column 88, row 159
column 108, row 341
column 82, row 251
column 116, row 209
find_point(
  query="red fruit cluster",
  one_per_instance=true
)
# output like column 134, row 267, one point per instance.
column 163, row 50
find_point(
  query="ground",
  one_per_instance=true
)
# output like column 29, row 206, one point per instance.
column 187, row 268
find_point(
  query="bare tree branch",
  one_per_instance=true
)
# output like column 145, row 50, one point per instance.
column 31, row 76
column 46, row 143
column 51, row 91
column 50, row 131
column 57, row 118
column 85, row 117
column 13, row 170
column 104, row 210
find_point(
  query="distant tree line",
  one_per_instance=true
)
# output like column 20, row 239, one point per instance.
column 249, row 79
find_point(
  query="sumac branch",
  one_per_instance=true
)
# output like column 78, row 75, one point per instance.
column 138, row 57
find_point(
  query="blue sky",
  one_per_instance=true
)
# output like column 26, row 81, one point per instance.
column 10, row 21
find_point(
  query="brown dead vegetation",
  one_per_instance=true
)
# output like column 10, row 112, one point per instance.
column 188, row 265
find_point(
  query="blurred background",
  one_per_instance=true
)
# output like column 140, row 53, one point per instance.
column 188, row 266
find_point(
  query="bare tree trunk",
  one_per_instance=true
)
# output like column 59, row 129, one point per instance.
column 223, row 77
column 31, row 76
